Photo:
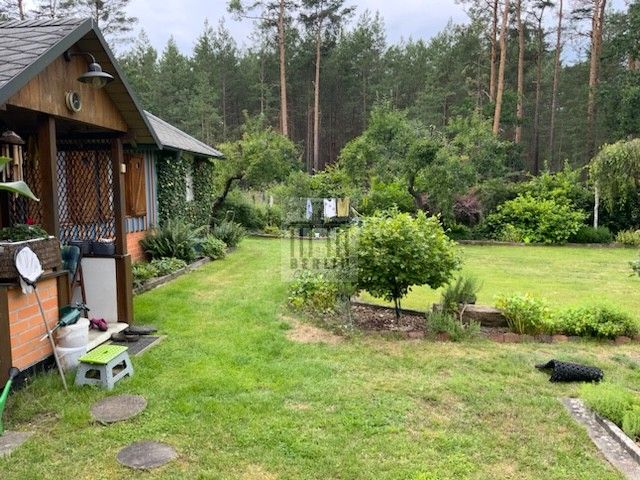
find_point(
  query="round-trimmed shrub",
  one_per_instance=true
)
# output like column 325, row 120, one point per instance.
column 600, row 321
column 213, row 247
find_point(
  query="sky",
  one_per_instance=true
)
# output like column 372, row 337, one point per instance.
column 184, row 19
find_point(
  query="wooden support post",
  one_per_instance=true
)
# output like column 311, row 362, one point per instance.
column 124, row 277
column 48, row 157
column 5, row 337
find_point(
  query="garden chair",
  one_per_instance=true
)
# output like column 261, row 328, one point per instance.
column 72, row 262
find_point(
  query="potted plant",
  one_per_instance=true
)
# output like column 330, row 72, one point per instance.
column 12, row 238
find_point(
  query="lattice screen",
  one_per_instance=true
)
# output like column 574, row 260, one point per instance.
column 21, row 209
column 85, row 190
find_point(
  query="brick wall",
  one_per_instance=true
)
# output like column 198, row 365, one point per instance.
column 25, row 323
column 133, row 246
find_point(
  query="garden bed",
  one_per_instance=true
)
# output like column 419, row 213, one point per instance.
column 157, row 281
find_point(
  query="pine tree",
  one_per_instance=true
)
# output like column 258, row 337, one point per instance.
column 110, row 15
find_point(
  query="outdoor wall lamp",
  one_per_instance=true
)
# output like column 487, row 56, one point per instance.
column 94, row 75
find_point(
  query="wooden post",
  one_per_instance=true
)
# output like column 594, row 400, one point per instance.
column 48, row 157
column 5, row 337
column 124, row 278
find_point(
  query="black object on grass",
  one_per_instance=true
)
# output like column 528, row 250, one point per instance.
column 571, row 372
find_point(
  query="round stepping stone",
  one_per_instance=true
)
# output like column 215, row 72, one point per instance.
column 146, row 455
column 118, row 408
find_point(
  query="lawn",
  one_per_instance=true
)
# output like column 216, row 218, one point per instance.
column 563, row 275
column 239, row 400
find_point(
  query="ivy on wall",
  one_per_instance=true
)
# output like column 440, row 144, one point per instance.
column 172, row 186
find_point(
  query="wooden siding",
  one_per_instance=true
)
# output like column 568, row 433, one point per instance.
column 46, row 93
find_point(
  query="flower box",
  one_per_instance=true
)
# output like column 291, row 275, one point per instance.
column 47, row 249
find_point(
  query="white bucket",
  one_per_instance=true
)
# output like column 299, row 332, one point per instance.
column 70, row 357
column 74, row 336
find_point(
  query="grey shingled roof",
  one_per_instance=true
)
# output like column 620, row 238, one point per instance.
column 27, row 47
column 174, row 138
column 23, row 42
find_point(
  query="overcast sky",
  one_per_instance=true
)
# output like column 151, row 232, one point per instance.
column 184, row 18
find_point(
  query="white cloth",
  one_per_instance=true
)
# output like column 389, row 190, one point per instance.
column 29, row 268
column 330, row 208
column 309, row 213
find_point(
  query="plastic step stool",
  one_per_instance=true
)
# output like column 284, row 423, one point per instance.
column 104, row 359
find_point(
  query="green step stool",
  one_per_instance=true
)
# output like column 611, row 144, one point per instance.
column 104, row 360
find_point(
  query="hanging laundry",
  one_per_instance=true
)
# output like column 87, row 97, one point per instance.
column 343, row 207
column 329, row 208
column 309, row 212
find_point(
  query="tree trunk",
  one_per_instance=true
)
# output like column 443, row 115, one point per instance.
column 556, row 82
column 284, row 111
column 224, row 107
column 503, row 61
column 316, row 104
column 521, row 47
column 21, row 9
column 220, row 200
column 536, row 118
column 597, row 23
column 494, row 52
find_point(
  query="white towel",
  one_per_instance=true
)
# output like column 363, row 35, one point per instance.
column 309, row 212
column 330, row 209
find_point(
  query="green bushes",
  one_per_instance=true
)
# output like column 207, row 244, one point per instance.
column 601, row 321
column 463, row 290
column 586, row 234
column 231, row 233
column 630, row 238
column 175, row 239
column 443, row 322
column 609, row 401
column 313, row 292
column 213, row 247
column 631, row 422
column 386, row 196
column 156, row 268
column 534, row 220
column 526, row 314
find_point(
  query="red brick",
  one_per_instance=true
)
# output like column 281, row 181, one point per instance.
column 511, row 337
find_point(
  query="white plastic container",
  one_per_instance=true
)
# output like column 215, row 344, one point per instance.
column 74, row 336
column 70, row 357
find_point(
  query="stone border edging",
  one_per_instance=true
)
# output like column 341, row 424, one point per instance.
column 497, row 243
column 622, row 438
column 156, row 282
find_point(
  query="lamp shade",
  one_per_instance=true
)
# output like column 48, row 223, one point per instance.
column 95, row 77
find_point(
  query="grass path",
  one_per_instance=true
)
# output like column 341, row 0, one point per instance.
column 239, row 400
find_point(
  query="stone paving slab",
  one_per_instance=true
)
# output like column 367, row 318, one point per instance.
column 9, row 441
column 618, row 456
column 118, row 408
column 146, row 455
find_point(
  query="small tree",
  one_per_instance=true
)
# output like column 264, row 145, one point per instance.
column 395, row 251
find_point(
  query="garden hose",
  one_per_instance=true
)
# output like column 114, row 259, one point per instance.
column 13, row 373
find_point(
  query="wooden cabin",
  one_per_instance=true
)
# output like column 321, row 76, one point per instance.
column 89, row 157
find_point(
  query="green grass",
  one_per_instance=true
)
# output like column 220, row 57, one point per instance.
column 566, row 276
column 239, row 400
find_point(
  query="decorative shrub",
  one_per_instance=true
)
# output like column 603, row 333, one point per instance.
column 442, row 322
column 238, row 208
column 175, row 239
column 231, row 233
column 395, row 251
column 601, row 321
column 629, row 237
column 525, row 314
column 467, row 209
column 463, row 290
column 213, row 247
column 609, row 401
column 535, row 220
column 387, row 196
column 586, row 234
column 142, row 272
column 313, row 292
column 166, row 266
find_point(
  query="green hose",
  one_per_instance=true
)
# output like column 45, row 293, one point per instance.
column 13, row 373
